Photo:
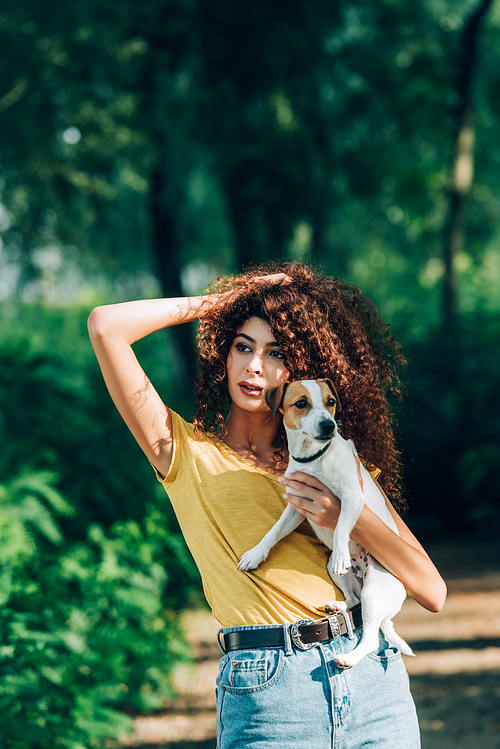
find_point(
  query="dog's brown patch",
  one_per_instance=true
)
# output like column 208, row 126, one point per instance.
column 331, row 391
column 295, row 392
column 328, row 393
column 274, row 397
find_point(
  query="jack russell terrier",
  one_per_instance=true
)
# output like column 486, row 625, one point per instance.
column 316, row 448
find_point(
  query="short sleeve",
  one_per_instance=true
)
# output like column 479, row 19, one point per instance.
column 181, row 431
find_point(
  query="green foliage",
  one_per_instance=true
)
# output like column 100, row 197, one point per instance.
column 26, row 506
column 451, row 431
column 204, row 134
column 57, row 415
column 93, row 567
column 179, row 140
column 84, row 632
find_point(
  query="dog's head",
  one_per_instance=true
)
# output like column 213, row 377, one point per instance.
column 308, row 406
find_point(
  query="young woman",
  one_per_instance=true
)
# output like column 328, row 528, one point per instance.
column 278, row 683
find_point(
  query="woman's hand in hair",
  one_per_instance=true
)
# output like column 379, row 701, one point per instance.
column 274, row 278
column 212, row 301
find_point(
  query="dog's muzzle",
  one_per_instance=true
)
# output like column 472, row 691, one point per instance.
column 326, row 429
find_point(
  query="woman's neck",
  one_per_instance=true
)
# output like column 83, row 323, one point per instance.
column 254, row 436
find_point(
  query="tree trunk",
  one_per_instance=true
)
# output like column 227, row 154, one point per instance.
column 168, row 257
column 463, row 167
column 245, row 216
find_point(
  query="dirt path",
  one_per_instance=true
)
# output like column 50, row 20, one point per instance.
column 455, row 678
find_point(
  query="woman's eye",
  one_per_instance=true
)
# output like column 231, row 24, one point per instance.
column 301, row 404
column 277, row 354
column 242, row 347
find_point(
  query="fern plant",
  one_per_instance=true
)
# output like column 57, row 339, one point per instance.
column 83, row 628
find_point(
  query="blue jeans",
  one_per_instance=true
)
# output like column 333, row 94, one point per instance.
column 298, row 699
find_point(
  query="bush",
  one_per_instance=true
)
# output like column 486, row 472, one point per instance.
column 451, row 430
column 84, row 633
column 60, row 417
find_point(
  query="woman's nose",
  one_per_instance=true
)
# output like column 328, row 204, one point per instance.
column 255, row 365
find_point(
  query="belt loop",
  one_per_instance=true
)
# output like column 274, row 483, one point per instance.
column 348, row 624
column 288, row 639
column 220, row 640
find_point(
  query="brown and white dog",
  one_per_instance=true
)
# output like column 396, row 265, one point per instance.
column 317, row 448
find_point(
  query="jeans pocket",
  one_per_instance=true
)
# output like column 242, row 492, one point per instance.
column 386, row 654
column 252, row 670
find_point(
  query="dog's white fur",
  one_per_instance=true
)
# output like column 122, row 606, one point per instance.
column 309, row 427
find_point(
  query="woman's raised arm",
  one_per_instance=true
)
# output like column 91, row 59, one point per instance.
column 113, row 329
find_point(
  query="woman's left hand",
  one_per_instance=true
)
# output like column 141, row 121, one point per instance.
column 317, row 504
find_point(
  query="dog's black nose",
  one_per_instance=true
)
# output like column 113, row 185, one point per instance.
column 326, row 429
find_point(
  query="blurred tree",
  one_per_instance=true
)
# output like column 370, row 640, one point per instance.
column 158, row 134
column 180, row 139
column 463, row 162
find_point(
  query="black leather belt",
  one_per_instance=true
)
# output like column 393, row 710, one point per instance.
column 305, row 634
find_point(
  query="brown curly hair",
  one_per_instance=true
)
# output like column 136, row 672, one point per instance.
column 325, row 328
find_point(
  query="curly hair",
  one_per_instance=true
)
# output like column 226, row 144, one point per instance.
column 326, row 329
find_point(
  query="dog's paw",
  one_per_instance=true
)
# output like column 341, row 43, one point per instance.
column 343, row 661
column 251, row 559
column 331, row 607
column 341, row 564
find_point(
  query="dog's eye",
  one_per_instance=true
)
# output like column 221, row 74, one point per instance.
column 301, row 404
column 330, row 402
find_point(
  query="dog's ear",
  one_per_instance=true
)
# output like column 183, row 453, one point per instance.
column 334, row 392
column 274, row 397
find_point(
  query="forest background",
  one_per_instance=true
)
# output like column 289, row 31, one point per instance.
column 147, row 148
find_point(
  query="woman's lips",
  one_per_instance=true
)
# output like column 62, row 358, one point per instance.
column 249, row 389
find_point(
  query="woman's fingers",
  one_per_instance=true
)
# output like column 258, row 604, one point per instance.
column 307, row 485
column 271, row 280
column 325, row 514
column 302, row 504
column 312, row 495
column 274, row 278
column 316, row 502
column 304, row 478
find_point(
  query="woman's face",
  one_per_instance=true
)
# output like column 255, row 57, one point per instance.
column 255, row 361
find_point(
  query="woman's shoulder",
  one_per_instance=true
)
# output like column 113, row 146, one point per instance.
column 180, row 423
column 187, row 444
column 185, row 434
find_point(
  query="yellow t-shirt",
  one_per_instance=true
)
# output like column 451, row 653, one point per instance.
column 225, row 505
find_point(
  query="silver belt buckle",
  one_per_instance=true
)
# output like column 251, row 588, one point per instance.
column 294, row 634
column 334, row 625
